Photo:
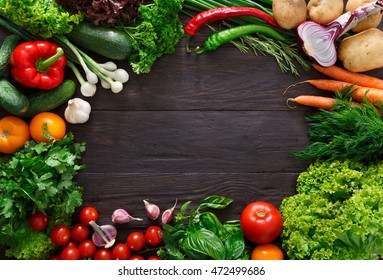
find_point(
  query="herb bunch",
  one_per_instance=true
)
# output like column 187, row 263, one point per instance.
column 346, row 132
column 198, row 234
column 155, row 32
column 39, row 177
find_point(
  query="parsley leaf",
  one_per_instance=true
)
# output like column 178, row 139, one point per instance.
column 39, row 177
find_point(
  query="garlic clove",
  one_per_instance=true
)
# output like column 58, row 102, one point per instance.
column 121, row 216
column 152, row 210
column 77, row 111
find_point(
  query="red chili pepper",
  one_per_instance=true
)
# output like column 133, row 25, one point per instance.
column 38, row 64
column 226, row 12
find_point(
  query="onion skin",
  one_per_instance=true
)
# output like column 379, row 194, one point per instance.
column 319, row 41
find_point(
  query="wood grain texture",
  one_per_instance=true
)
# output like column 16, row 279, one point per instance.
column 196, row 125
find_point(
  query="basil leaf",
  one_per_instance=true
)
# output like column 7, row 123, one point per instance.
column 235, row 245
column 184, row 207
column 214, row 202
column 210, row 221
column 204, row 242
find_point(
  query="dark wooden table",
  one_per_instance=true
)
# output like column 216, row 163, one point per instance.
column 196, row 125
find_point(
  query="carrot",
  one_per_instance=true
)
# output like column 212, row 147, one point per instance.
column 320, row 102
column 341, row 74
column 373, row 95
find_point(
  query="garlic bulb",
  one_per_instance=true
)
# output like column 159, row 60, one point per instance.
column 77, row 111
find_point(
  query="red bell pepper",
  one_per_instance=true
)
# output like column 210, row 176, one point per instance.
column 38, row 64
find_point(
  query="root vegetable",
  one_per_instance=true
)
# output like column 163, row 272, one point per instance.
column 325, row 11
column 370, row 22
column 289, row 13
column 363, row 51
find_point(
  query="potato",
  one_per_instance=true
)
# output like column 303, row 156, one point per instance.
column 363, row 51
column 370, row 22
column 324, row 11
column 289, row 13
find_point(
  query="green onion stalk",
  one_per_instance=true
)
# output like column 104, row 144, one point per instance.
column 287, row 53
column 94, row 71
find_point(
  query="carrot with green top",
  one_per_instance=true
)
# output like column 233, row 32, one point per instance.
column 341, row 74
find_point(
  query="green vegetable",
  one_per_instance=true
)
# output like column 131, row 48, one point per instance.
column 201, row 235
column 286, row 53
column 155, row 32
column 337, row 213
column 11, row 99
column 346, row 132
column 22, row 105
column 49, row 99
column 41, row 17
column 39, row 177
column 106, row 41
column 215, row 40
column 9, row 44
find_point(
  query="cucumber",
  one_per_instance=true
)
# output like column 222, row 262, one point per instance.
column 9, row 44
column 106, row 41
column 49, row 99
column 11, row 99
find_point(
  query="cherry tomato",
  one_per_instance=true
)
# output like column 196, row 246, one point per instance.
column 267, row 251
column 54, row 124
column 38, row 221
column 153, row 258
column 79, row 232
column 70, row 253
column 60, row 235
column 121, row 251
column 153, row 235
column 136, row 258
column 103, row 254
column 87, row 248
column 88, row 214
column 54, row 257
column 71, row 242
column 261, row 222
column 136, row 241
column 14, row 132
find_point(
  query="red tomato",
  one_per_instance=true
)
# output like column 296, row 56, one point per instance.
column 153, row 235
column 136, row 258
column 88, row 214
column 121, row 251
column 70, row 253
column 136, row 241
column 60, row 235
column 267, row 252
column 79, row 232
column 38, row 221
column 87, row 248
column 261, row 222
column 103, row 254
column 152, row 258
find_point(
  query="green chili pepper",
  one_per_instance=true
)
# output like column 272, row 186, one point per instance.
column 215, row 40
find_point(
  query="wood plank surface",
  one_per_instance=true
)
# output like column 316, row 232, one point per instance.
column 196, row 125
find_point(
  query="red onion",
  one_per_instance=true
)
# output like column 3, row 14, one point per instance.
column 104, row 235
column 319, row 41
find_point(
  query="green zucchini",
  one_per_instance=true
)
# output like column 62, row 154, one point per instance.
column 11, row 99
column 49, row 99
column 9, row 44
column 106, row 41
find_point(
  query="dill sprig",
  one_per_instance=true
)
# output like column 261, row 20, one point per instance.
column 346, row 132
